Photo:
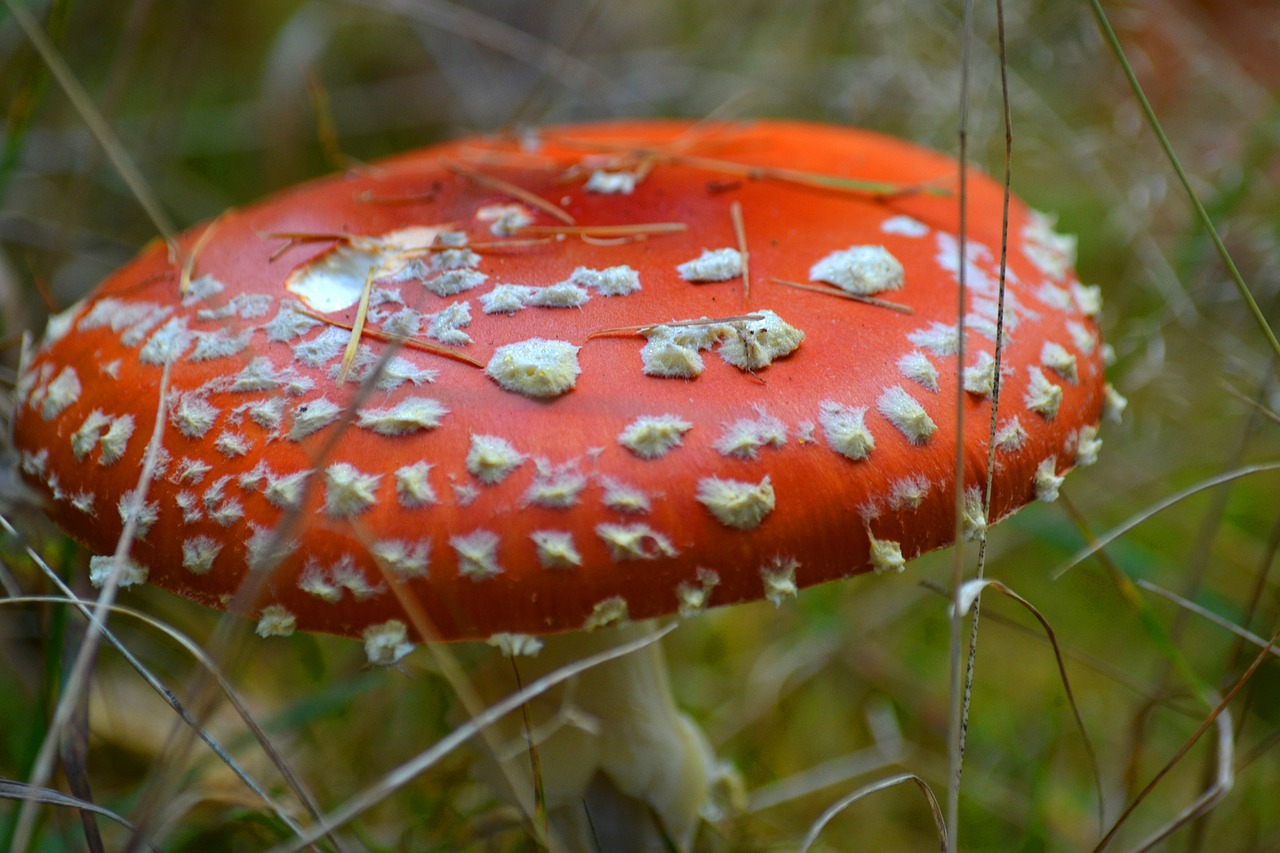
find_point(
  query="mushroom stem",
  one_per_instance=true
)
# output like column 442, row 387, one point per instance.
column 622, row 768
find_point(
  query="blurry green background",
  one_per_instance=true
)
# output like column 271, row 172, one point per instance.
column 220, row 103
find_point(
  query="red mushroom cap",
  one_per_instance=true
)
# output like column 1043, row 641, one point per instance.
column 574, row 399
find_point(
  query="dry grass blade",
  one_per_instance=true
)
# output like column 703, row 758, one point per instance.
column 79, row 675
column 192, row 648
column 483, row 29
column 845, row 802
column 1225, row 772
column 1192, row 607
column 403, row 774
column 37, row 795
column 490, row 182
column 1184, row 179
column 357, row 327
column 189, row 262
column 968, row 598
column 855, row 297
column 398, row 340
column 889, row 748
column 95, row 122
column 1138, row 518
column 740, row 234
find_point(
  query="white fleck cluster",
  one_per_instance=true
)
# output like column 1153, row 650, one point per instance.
column 904, row 412
column 555, row 486
column 556, row 549
column 712, row 265
column 510, row 298
column 312, row 416
column 1088, row 444
column 845, row 431
column 454, row 281
column 1083, row 337
column 611, row 281
column 386, row 644
column 535, row 367
column 939, row 339
column 168, row 344
column 289, row 323
column 329, row 583
column 142, row 513
column 756, row 343
column 116, row 439
column 1042, row 396
column 323, row 348
column 861, row 270
column 219, row 344
column 621, row 497
column 744, row 438
column 905, row 226
column 737, row 504
column 119, row 315
column 515, row 645
column 1052, row 253
column 672, row 350
column 386, row 374
column 973, row 517
column 779, row 579
column 231, row 444
column 653, row 436
column 86, row 437
column 413, row 488
column 101, row 568
column 886, row 556
column 249, row 306
column 634, row 542
column 1047, row 481
column 198, row 554
column 1054, row 296
column 1011, row 436
column 1113, row 403
column 406, row 559
column 60, row 393
column 1088, row 298
column 908, row 492
column 611, row 183
column 286, row 491
column 193, row 415
column 694, row 597
column 492, row 458
column 611, row 611
column 410, row 415
column 916, row 366
column 447, row 324
column 477, row 554
column 506, row 219
column 349, row 491
column 980, row 377
column 1055, row 357
column 276, row 621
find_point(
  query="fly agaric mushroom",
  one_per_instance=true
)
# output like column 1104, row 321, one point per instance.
column 509, row 387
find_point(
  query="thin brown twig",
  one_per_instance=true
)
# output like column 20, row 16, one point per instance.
column 740, row 232
column 512, row 190
column 843, row 294
column 644, row 327
column 387, row 337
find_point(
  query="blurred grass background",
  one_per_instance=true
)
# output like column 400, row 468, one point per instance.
column 222, row 103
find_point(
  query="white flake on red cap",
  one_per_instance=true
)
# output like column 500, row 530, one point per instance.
column 737, row 504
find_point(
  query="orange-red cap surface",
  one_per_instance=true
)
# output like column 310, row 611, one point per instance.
column 608, row 405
